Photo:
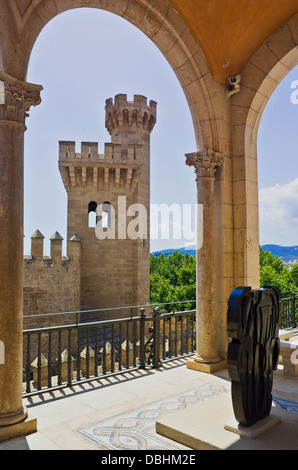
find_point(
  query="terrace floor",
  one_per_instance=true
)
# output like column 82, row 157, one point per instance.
column 119, row 412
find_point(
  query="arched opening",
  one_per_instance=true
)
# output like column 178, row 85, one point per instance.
column 92, row 219
column 278, row 185
column 82, row 118
column 106, row 215
column 278, row 164
column 245, row 138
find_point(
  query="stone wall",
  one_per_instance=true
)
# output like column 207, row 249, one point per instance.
column 52, row 283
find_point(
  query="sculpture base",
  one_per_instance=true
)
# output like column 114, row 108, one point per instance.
column 23, row 428
column 203, row 427
column 256, row 429
column 209, row 368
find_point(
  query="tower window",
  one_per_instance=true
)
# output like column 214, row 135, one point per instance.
column 106, row 215
column 92, row 219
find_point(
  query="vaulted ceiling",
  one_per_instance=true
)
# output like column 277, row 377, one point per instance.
column 229, row 32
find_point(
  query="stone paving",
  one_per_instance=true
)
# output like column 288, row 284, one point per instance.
column 119, row 412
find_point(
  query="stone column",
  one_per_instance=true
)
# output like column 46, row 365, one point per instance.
column 206, row 358
column 16, row 97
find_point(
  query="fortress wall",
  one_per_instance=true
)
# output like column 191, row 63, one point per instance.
column 51, row 285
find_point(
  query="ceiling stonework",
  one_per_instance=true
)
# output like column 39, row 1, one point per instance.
column 21, row 10
column 230, row 32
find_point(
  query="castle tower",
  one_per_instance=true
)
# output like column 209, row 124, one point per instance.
column 102, row 191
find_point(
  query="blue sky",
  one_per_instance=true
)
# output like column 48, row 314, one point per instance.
column 278, row 166
column 85, row 56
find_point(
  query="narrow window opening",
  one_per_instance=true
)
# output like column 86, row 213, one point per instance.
column 92, row 218
column 105, row 220
column 106, row 215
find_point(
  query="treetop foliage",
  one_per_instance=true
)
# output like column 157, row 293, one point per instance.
column 274, row 273
column 173, row 278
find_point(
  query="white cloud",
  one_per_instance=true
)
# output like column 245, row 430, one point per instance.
column 279, row 204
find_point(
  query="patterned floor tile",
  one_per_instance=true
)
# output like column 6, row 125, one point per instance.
column 135, row 430
column 286, row 405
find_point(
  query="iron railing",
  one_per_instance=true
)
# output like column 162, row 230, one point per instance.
column 87, row 349
column 59, row 356
column 289, row 309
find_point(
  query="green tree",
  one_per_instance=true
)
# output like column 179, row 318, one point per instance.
column 274, row 273
column 294, row 274
column 172, row 279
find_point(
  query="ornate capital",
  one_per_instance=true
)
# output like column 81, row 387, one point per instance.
column 16, row 98
column 205, row 162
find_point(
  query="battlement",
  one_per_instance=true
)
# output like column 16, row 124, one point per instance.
column 113, row 153
column 51, row 284
column 123, row 113
column 120, row 167
column 37, row 248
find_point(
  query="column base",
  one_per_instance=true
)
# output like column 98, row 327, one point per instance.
column 21, row 429
column 8, row 419
column 207, row 367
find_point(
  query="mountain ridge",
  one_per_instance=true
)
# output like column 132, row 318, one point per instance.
column 286, row 253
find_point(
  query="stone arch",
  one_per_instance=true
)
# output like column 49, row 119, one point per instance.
column 21, row 22
column 162, row 24
column 265, row 70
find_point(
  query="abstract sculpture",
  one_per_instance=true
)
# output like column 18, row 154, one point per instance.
column 253, row 321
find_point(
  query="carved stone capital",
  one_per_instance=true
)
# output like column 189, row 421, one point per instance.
column 16, row 98
column 205, row 162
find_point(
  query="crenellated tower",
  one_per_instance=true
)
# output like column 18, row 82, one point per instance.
column 115, row 267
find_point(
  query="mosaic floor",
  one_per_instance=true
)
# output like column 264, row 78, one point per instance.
column 286, row 405
column 135, row 430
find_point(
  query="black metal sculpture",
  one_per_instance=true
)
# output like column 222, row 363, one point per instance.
column 253, row 322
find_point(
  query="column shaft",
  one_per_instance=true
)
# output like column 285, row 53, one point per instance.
column 206, row 324
column 205, row 163
column 11, row 270
column 16, row 98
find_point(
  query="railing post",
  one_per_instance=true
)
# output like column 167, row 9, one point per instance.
column 294, row 323
column 142, row 338
column 156, row 340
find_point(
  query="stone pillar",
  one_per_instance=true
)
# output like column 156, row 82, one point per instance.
column 74, row 248
column 37, row 245
column 16, row 97
column 206, row 358
column 56, row 246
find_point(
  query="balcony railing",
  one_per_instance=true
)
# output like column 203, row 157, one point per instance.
column 289, row 309
column 66, row 355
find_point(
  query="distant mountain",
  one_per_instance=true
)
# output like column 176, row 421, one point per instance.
column 286, row 253
column 190, row 249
